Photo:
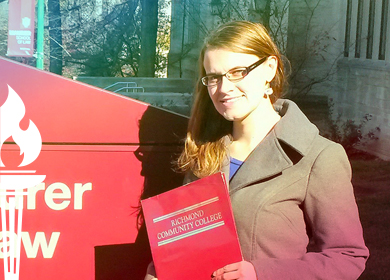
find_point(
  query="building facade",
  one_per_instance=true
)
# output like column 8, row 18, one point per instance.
column 363, row 73
column 340, row 49
column 355, row 65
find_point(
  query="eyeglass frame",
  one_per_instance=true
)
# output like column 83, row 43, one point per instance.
column 248, row 70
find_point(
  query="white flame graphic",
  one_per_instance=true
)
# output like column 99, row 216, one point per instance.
column 29, row 140
column 12, row 185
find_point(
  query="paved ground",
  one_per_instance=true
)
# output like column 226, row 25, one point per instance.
column 371, row 179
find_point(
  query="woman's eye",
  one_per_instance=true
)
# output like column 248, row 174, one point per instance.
column 237, row 73
column 212, row 79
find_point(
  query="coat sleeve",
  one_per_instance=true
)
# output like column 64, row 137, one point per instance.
column 337, row 248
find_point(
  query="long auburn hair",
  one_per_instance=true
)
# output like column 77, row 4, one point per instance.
column 205, row 150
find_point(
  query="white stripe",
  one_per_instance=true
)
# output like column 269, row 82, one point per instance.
column 4, row 230
column 11, row 215
column 189, row 208
column 191, row 233
column 18, row 171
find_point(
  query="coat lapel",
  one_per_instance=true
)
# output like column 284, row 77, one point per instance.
column 269, row 156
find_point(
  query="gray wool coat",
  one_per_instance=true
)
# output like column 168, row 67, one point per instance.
column 294, row 205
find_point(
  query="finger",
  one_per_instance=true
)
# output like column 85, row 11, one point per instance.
column 233, row 275
column 226, row 268
column 218, row 272
column 232, row 267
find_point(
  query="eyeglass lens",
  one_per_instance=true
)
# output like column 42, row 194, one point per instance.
column 232, row 75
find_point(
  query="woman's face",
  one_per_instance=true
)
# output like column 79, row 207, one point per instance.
column 237, row 100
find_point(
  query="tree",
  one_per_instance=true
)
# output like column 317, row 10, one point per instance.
column 103, row 38
column 111, row 40
column 163, row 38
column 149, row 25
column 263, row 10
column 313, row 63
column 55, row 35
column 104, row 44
column 3, row 28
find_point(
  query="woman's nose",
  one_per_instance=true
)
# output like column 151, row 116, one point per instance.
column 225, row 85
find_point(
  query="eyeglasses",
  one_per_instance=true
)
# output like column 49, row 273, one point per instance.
column 233, row 75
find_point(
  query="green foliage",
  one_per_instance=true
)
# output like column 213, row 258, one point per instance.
column 163, row 39
column 3, row 28
column 349, row 133
column 107, row 42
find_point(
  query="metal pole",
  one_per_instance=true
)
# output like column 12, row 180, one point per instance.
column 40, row 32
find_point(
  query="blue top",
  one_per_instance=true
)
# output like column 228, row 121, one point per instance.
column 235, row 164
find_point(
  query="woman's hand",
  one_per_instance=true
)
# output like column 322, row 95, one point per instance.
column 150, row 272
column 150, row 277
column 238, row 271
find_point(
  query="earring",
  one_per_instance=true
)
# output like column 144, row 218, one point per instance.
column 268, row 92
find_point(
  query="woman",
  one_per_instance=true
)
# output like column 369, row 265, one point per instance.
column 290, row 188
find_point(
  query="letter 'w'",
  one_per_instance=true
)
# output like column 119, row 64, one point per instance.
column 40, row 241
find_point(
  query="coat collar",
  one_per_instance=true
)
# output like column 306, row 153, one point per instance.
column 294, row 128
column 294, row 133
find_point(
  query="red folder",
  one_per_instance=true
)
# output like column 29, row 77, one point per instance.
column 191, row 230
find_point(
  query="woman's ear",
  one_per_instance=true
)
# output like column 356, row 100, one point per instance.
column 271, row 65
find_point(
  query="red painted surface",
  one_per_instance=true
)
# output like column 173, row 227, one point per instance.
column 101, row 152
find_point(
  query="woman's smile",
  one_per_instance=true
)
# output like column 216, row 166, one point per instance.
column 230, row 100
